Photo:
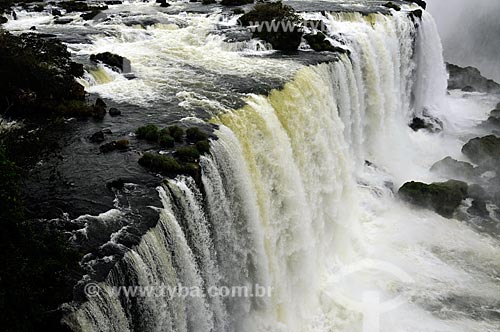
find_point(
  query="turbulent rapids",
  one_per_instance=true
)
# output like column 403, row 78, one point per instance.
column 298, row 193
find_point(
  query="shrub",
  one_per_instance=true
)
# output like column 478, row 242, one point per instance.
column 165, row 140
column 149, row 132
column 203, row 146
column 187, row 153
column 195, row 134
column 159, row 163
column 176, row 132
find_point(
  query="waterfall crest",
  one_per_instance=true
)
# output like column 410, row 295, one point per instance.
column 280, row 205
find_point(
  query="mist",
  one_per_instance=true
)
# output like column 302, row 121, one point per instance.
column 470, row 33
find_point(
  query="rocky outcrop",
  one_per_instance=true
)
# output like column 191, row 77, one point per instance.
column 484, row 151
column 421, row 3
column 426, row 122
column 236, row 2
column 457, row 169
column 442, row 197
column 276, row 23
column 469, row 79
column 115, row 61
column 319, row 43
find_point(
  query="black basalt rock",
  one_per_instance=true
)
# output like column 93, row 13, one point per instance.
column 115, row 61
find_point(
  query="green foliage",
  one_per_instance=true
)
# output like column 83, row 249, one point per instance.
column 149, row 132
column 36, row 74
column 159, row 163
column 194, row 134
column 176, row 132
column 203, row 146
column 165, row 140
column 187, row 153
column 269, row 11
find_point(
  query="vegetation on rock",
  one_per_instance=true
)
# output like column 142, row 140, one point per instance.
column 442, row 197
column 278, row 24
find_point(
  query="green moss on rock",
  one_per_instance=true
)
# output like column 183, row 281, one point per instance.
column 187, row 153
column 176, row 132
column 442, row 197
column 149, row 132
column 194, row 134
column 163, row 164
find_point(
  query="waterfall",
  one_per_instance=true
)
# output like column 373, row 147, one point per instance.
column 280, row 204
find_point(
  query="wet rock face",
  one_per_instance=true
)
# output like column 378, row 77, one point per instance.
column 115, row 61
column 457, row 169
column 469, row 79
column 426, row 122
column 276, row 23
column 484, row 151
column 442, row 197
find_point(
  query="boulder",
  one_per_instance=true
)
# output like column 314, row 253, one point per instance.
column 115, row 61
column 90, row 15
column 483, row 151
column 478, row 208
column 64, row 20
column 470, row 78
column 115, row 145
column 442, row 197
column 3, row 19
column 457, row 169
column 208, row 2
column 426, row 122
column 114, row 111
column 319, row 43
column 275, row 23
column 468, row 88
column 392, row 5
column 495, row 113
column 421, row 3
column 235, row 2
column 97, row 137
column 56, row 12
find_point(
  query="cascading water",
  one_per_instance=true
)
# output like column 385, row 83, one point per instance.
column 298, row 185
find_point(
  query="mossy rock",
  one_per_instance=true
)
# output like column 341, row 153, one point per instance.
column 194, row 134
column 187, row 153
column 484, row 150
column 149, row 132
column 286, row 35
column 442, row 197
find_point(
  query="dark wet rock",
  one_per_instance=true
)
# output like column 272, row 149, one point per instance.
column 282, row 15
column 236, row 2
column 478, row 193
column 483, row 150
column 208, row 2
column 457, row 169
column 392, row 5
column 56, row 12
column 415, row 14
column 163, row 3
column 74, row 6
column 478, row 208
column 65, row 20
column 115, row 61
column 319, row 43
column 38, row 8
column 493, row 121
column 113, row 2
column 421, row 3
column 442, row 197
column 427, row 122
column 3, row 20
column 115, row 145
column 97, row 137
column 114, row 111
column 91, row 15
column 33, row 28
column 468, row 88
column 118, row 184
column 99, row 109
column 495, row 113
column 470, row 77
